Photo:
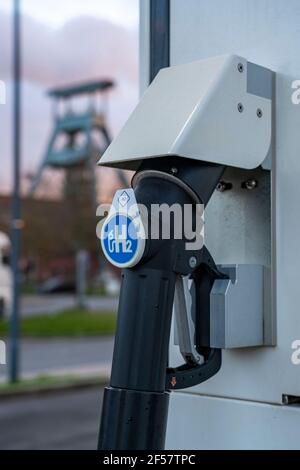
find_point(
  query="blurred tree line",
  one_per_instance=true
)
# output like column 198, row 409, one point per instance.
column 56, row 229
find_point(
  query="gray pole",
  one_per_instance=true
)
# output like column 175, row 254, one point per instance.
column 82, row 262
column 16, row 203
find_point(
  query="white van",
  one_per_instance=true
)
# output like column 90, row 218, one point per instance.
column 5, row 275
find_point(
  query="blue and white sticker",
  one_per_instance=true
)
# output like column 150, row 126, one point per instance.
column 122, row 238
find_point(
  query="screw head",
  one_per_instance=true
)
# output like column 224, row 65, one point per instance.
column 240, row 67
column 259, row 113
column 250, row 184
column 223, row 186
column 240, row 107
column 174, row 170
column 193, row 262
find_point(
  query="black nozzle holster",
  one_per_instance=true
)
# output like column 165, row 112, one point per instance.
column 135, row 406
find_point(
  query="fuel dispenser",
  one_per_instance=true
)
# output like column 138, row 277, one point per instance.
column 199, row 128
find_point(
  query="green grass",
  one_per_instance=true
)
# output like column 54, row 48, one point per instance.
column 46, row 382
column 96, row 290
column 72, row 322
column 29, row 384
column 29, row 288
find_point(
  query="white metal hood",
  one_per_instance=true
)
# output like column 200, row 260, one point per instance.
column 216, row 110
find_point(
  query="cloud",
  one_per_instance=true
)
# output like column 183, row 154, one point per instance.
column 58, row 12
column 85, row 48
column 82, row 48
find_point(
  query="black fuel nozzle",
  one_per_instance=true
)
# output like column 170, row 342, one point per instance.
column 135, row 406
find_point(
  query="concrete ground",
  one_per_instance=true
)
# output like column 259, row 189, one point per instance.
column 60, row 356
column 66, row 420
column 58, row 420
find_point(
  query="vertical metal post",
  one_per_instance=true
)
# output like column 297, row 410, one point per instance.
column 159, row 36
column 82, row 265
column 16, row 203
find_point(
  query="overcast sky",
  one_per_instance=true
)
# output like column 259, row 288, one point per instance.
column 57, row 12
column 66, row 41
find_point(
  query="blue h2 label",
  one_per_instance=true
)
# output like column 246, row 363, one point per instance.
column 120, row 239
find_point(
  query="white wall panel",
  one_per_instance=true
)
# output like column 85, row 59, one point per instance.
column 265, row 32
